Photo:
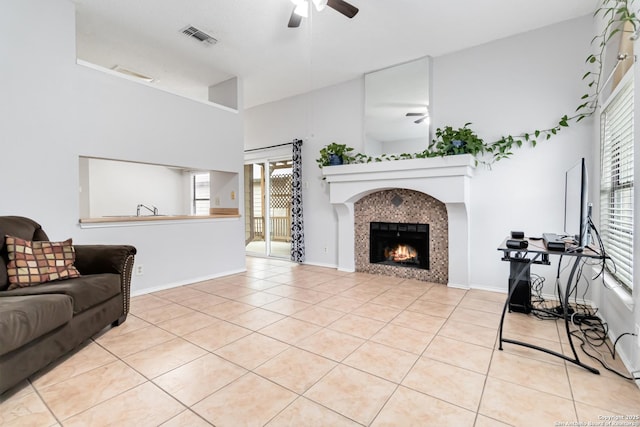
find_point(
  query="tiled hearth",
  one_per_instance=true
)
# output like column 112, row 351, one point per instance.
column 403, row 206
column 445, row 179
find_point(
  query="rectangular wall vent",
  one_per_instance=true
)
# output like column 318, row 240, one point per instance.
column 201, row 36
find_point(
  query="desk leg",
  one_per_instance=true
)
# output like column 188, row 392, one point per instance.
column 509, row 295
column 504, row 312
column 565, row 299
column 565, row 306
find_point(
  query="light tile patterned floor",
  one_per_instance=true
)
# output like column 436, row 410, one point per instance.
column 292, row 345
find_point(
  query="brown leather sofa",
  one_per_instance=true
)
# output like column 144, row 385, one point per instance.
column 40, row 323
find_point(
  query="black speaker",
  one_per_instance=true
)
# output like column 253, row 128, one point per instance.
column 517, row 234
column 521, row 297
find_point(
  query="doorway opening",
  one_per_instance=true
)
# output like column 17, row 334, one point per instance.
column 268, row 187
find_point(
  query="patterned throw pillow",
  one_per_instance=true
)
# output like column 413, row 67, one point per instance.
column 32, row 263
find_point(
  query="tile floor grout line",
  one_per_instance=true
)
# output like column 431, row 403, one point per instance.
column 486, row 377
column 218, row 390
column 44, row 402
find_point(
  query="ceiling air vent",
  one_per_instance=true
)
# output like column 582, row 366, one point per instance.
column 201, row 36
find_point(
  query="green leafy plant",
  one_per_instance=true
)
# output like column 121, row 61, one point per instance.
column 450, row 141
column 342, row 151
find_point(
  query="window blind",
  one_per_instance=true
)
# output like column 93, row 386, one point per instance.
column 616, row 184
column 200, row 202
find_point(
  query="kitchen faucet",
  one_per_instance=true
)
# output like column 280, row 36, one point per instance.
column 153, row 211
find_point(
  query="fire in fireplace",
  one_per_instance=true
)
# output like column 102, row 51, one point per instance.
column 401, row 253
column 399, row 244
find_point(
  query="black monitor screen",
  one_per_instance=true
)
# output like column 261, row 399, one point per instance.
column 576, row 203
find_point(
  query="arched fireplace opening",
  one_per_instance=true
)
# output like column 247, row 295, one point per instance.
column 402, row 233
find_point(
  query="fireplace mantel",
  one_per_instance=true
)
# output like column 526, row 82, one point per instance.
column 447, row 179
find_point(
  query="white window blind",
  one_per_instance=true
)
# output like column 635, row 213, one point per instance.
column 616, row 184
column 200, row 202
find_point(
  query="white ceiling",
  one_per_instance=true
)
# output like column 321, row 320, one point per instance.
column 276, row 62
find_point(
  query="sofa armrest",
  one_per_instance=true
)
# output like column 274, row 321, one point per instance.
column 97, row 259
column 117, row 259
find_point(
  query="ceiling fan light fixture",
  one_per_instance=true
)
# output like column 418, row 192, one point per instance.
column 320, row 4
column 302, row 9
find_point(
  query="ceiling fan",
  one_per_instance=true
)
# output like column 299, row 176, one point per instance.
column 423, row 117
column 301, row 9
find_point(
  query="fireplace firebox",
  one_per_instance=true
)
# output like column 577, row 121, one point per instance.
column 399, row 244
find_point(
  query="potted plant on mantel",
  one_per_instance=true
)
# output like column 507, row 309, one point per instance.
column 450, row 141
column 334, row 154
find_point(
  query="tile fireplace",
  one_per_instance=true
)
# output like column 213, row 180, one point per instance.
column 446, row 181
column 388, row 218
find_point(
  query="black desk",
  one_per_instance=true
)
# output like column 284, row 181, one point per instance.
column 536, row 253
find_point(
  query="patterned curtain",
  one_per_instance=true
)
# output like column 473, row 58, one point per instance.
column 297, row 218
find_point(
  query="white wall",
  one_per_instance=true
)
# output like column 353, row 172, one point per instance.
column 224, row 189
column 411, row 145
column 52, row 111
column 225, row 93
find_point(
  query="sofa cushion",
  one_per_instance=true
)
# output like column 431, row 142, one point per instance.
column 21, row 227
column 25, row 318
column 32, row 263
column 85, row 292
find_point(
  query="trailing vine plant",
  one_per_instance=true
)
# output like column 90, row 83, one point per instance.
column 448, row 141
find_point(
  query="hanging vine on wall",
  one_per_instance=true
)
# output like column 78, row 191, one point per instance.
column 449, row 141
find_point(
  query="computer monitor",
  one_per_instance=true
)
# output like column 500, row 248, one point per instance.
column 576, row 204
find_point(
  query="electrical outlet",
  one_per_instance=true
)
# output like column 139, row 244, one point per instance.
column 216, row 201
column 325, row 250
column 139, row 270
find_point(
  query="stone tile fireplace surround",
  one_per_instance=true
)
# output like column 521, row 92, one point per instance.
column 445, row 179
column 403, row 206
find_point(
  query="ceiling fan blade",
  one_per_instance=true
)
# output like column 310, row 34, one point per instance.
column 420, row 120
column 415, row 114
column 295, row 19
column 343, row 7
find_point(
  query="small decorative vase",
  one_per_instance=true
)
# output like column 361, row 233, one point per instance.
column 335, row 160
